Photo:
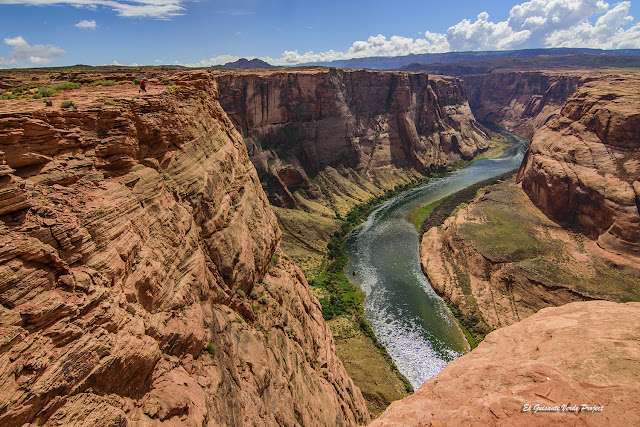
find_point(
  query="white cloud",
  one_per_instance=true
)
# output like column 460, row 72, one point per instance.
column 607, row 33
column 531, row 24
column 215, row 60
column 158, row 9
column 37, row 54
column 543, row 17
column 484, row 35
column 374, row 46
column 84, row 24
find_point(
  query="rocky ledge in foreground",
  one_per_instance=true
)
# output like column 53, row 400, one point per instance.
column 578, row 364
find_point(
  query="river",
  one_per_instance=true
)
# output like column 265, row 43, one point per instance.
column 414, row 324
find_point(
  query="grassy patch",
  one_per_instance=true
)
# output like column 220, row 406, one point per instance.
column 66, row 86
column 103, row 83
column 504, row 237
column 472, row 322
column 419, row 216
column 67, row 104
column 599, row 282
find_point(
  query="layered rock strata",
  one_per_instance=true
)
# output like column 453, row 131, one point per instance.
column 571, row 235
column 139, row 282
column 578, row 364
column 296, row 124
column 499, row 260
column 521, row 101
column 583, row 168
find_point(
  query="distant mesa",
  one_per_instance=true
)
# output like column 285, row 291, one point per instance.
column 245, row 63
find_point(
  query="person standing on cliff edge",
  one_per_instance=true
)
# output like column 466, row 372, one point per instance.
column 143, row 85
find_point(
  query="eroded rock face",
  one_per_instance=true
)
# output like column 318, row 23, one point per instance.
column 520, row 101
column 311, row 119
column 499, row 260
column 583, row 168
column 583, row 353
column 135, row 277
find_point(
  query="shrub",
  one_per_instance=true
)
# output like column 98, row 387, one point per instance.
column 48, row 102
column 103, row 83
column 66, row 86
column 17, row 90
column 255, row 308
column 263, row 299
column 44, row 92
column 8, row 95
column 110, row 102
column 255, row 294
column 67, row 104
column 167, row 176
column 211, row 349
column 240, row 293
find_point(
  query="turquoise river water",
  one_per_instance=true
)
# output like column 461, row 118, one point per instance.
column 409, row 319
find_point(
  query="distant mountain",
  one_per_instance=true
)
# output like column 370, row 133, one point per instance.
column 245, row 63
column 396, row 62
column 573, row 60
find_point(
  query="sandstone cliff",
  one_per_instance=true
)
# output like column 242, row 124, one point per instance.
column 579, row 354
column 583, row 168
column 139, row 283
column 499, row 260
column 296, row 124
column 571, row 235
column 521, row 101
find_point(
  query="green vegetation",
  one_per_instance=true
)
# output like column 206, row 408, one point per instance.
column 211, row 349
column 255, row 294
column 507, row 235
column 418, row 217
column 66, row 86
column 469, row 333
column 67, row 104
column 44, row 92
column 8, row 95
column 103, row 83
column 48, row 102
column 240, row 293
column 274, row 258
column 342, row 297
column 473, row 324
column 599, row 282
column 110, row 102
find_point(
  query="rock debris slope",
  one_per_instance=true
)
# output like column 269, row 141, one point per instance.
column 139, row 278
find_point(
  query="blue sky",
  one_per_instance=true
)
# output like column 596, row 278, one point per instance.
column 286, row 32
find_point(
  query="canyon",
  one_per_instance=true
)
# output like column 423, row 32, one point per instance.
column 155, row 246
column 324, row 140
